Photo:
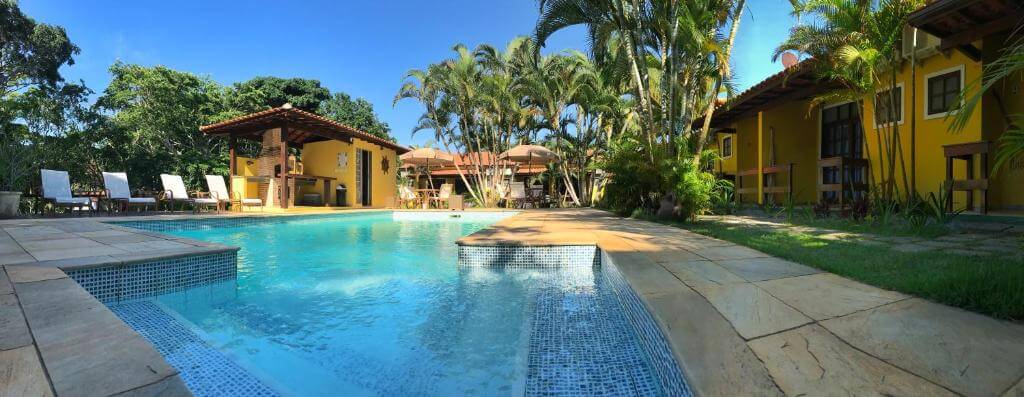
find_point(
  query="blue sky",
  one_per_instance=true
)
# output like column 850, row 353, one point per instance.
column 359, row 47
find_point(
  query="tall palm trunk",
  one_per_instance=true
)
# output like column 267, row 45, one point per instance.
column 722, row 76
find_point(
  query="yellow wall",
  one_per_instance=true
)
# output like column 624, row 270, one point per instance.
column 240, row 187
column 798, row 137
column 795, row 141
column 1007, row 188
column 930, row 133
column 321, row 159
column 727, row 165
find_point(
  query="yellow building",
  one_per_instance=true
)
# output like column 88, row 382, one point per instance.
column 323, row 159
column 783, row 146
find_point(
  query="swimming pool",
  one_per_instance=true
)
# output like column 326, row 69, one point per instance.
column 376, row 304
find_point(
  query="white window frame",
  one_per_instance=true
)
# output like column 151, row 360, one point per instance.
column 903, row 106
column 927, row 89
column 732, row 148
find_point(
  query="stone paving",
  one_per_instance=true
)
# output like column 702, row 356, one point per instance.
column 970, row 243
column 744, row 323
column 56, row 338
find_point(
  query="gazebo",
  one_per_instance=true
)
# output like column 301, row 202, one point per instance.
column 286, row 127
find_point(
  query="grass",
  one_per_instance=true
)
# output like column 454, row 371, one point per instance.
column 991, row 285
column 802, row 216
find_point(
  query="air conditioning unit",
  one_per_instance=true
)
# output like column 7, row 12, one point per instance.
column 927, row 45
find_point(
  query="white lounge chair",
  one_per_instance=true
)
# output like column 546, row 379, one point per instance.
column 443, row 195
column 57, row 190
column 174, row 191
column 116, row 184
column 219, row 191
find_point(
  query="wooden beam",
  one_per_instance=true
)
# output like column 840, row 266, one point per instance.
column 975, row 33
column 283, row 176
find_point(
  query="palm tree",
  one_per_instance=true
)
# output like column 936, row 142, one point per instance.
column 1011, row 61
column 672, row 47
column 856, row 45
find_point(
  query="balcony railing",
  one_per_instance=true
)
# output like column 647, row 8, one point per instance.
column 846, row 184
column 767, row 190
column 966, row 152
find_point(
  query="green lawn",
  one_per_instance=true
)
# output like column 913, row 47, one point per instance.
column 992, row 285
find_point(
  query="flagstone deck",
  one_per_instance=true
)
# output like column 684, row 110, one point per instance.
column 56, row 338
column 744, row 323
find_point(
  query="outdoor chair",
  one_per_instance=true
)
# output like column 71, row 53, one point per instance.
column 501, row 190
column 57, row 191
column 443, row 195
column 117, row 190
column 219, row 191
column 174, row 192
column 537, row 196
column 406, row 195
column 518, row 195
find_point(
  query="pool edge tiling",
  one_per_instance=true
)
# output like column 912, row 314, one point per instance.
column 657, row 349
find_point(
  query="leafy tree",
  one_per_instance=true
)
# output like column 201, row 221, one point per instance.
column 31, row 53
column 36, row 104
column 154, row 127
column 356, row 113
column 265, row 92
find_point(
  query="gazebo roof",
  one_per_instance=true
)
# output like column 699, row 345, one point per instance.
column 303, row 127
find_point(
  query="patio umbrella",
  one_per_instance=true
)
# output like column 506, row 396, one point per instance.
column 426, row 157
column 530, row 154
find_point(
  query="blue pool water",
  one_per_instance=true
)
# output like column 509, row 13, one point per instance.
column 371, row 305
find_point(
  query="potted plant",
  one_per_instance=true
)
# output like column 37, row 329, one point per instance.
column 16, row 159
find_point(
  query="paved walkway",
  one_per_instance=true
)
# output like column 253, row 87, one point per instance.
column 969, row 243
column 744, row 323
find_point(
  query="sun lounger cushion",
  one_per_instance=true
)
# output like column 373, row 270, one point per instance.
column 117, row 184
column 252, row 201
column 174, row 186
column 55, row 184
column 141, row 200
column 206, row 201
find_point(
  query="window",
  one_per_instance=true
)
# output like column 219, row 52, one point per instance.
column 727, row 146
column 943, row 92
column 883, row 107
column 841, row 136
column 840, row 131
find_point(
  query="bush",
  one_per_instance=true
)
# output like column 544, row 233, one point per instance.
column 637, row 184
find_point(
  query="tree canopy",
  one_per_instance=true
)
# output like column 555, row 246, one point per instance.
column 146, row 122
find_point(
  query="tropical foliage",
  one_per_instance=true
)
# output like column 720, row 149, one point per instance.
column 1009, row 63
column 629, row 117
column 145, row 122
column 855, row 44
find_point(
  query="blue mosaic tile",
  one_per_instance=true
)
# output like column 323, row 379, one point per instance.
column 559, row 256
column 582, row 345
column 139, row 280
column 652, row 340
column 205, row 370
